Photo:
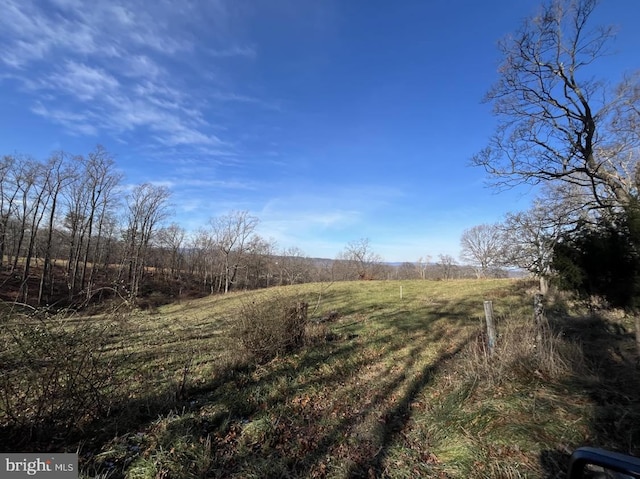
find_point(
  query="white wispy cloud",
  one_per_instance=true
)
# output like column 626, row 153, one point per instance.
column 102, row 69
column 163, row 183
column 219, row 183
column 142, row 66
column 77, row 123
column 84, row 82
column 29, row 36
column 223, row 96
column 159, row 79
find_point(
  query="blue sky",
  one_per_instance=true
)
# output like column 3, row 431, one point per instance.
column 330, row 120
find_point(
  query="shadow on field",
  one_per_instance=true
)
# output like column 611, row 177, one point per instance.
column 398, row 416
column 342, row 403
column 611, row 385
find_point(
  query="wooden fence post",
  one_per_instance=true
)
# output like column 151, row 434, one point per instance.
column 491, row 326
column 539, row 316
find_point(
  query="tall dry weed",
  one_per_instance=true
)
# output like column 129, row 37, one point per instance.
column 524, row 351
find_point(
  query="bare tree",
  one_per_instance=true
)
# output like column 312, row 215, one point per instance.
column 77, row 201
column 146, row 208
column 202, row 259
column 294, row 266
column 482, row 246
column 259, row 260
column 90, row 201
column 101, row 180
column 34, row 183
column 530, row 237
column 446, row 262
column 557, row 123
column 8, row 197
column 171, row 239
column 59, row 178
column 423, row 264
column 25, row 178
column 231, row 233
column 362, row 262
column 408, row 270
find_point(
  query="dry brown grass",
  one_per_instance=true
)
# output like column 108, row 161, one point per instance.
column 390, row 387
column 523, row 352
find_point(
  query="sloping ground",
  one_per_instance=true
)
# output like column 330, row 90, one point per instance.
column 392, row 387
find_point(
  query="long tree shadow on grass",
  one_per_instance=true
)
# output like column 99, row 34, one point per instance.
column 611, row 384
column 233, row 391
column 292, row 445
column 360, row 439
column 290, row 417
column 398, row 416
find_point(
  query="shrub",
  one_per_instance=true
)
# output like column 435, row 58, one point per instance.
column 272, row 326
column 603, row 259
column 56, row 374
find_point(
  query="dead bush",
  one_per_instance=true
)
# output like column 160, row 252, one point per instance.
column 524, row 352
column 55, row 373
column 268, row 327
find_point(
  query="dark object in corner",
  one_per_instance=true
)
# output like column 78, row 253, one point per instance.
column 590, row 462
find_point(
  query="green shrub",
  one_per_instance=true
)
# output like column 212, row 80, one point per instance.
column 602, row 259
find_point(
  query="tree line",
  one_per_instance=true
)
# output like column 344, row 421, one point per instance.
column 71, row 232
column 70, row 228
column 69, row 219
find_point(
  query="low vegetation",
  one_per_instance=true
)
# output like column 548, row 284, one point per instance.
column 57, row 372
column 377, row 379
column 271, row 324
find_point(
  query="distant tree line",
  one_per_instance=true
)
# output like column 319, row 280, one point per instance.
column 70, row 229
column 71, row 232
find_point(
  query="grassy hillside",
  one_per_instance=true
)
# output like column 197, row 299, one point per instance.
column 390, row 387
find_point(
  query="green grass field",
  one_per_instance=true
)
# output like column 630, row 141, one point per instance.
column 391, row 387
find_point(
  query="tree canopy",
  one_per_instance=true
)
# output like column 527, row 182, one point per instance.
column 556, row 121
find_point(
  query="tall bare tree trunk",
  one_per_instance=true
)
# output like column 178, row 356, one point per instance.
column 46, row 268
column 544, row 285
